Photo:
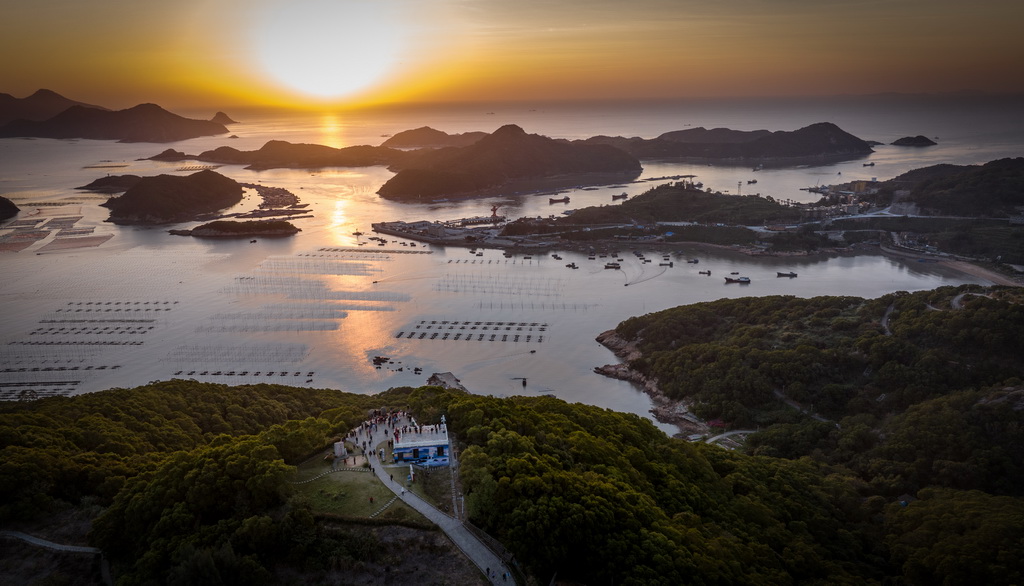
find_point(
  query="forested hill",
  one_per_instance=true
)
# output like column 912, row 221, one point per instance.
column 678, row 203
column 191, row 485
column 995, row 189
column 597, row 497
column 740, row 360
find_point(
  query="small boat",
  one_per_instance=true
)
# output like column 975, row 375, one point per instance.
column 571, row 265
column 708, row 273
column 790, row 274
column 693, row 261
column 752, row 181
column 558, row 199
column 871, row 164
column 741, row 280
column 357, row 233
column 612, row 265
column 622, row 195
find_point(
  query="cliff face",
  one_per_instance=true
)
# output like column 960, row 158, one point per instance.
column 509, row 154
column 142, row 123
column 167, row 199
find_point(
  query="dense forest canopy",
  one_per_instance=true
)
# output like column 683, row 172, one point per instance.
column 679, row 203
column 190, row 482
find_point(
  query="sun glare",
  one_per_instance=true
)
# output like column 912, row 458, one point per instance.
column 331, row 48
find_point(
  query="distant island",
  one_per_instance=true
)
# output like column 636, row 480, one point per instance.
column 435, row 164
column 222, row 118
column 507, row 160
column 111, row 184
column 41, row 105
column 142, row 123
column 246, row 229
column 427, row 137
column 279, row 154
column 817, row 143
column 914, row 141
column 166, row 199
column 7, row 209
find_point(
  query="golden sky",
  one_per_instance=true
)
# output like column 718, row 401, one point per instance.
column 118, row 53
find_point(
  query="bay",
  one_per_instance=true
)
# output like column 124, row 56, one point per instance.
column 316, row 309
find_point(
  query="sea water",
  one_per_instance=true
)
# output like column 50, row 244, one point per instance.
column 316, row 309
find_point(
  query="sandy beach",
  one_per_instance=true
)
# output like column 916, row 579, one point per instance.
column 981, row 272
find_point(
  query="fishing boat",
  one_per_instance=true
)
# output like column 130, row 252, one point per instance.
column 790, row 274
column 741, row 280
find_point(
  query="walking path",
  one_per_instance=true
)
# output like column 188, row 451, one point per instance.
column 470, row 544
column 104, row 566
column 474, row 549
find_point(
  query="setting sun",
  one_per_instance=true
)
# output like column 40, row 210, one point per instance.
column 329, row 49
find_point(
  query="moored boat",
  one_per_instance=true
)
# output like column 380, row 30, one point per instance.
column 742, row 280
column 790, row 274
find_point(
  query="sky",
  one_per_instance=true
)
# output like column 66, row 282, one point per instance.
column 347, row 53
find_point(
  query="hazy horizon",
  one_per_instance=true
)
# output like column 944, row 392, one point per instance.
column 342, row 54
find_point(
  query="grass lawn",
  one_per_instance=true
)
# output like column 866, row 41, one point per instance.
column 348, row 493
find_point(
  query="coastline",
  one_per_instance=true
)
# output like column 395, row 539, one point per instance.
column 969, row 268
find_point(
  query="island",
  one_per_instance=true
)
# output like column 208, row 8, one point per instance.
column 166, row 199
column 235, row 229
column 7, row 209
column 222, row 118
column 41, row 105
column 507, row 161
column 914, row 141
column 427, row 137
column 815, row 144
column 280, row 154
column 142, row 123
column 111, row 184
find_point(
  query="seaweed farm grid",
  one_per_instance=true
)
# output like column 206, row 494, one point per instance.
column 476, row 331
column 69, row 344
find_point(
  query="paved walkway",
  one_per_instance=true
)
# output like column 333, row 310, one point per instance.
column 479, row 553
column 49, row 544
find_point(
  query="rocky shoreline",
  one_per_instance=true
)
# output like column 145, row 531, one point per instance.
column 665, row 410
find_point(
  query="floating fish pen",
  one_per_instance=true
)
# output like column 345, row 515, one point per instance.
column 260, row 325
column 375, row 251
column 499, row 285
column 240, row 354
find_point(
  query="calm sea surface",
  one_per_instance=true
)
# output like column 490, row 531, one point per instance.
column 316, row 309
